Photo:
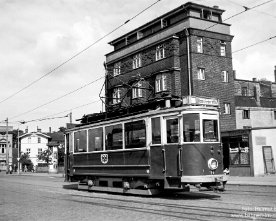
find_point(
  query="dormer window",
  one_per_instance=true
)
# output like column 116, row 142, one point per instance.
column 160, row 52
column 137, row 90
column 116, row 96
column 136, row 62
column 117, row 69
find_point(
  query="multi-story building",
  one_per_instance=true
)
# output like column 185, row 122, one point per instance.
column 186, row 51
column 34, row 143
column 4, row 149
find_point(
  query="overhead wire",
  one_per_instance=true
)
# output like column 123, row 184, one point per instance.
column 268, row 39
column 78, row 53
column 68, row 60
column 245, row 10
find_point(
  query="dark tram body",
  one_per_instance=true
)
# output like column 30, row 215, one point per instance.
column 167, row 148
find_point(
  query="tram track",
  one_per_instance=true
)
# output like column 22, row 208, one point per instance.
column 181, row 209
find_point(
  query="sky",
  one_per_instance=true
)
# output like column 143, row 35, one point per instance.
column 41, row 78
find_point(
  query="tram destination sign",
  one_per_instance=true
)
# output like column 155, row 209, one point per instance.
column 193, row 100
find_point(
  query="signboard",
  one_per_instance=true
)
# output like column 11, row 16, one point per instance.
column 193, row 100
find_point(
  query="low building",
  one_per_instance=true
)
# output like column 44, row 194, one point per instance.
column 250, row 152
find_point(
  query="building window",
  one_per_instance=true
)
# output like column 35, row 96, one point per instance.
column 160, row 52
column 39, row 151
column 222, row 48
column 117, row 69
column 28, row 150
column 3, row 150
column 244, row 91
column 137, row 90
column 245, row 114
column 160, row 83
column 136, row 62
column 225, row 76
column 201, row 74
column 116, row 96
column 39, row 140
column 199, row 45
column 274, row 115
column 227, row 109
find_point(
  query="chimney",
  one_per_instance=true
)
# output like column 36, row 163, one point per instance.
column 26, row 130
column 275, row 73
column 254, row 79
column 38, row 130
column 216, row 7
column 50, row 130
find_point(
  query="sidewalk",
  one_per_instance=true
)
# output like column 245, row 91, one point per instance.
column 266, row 180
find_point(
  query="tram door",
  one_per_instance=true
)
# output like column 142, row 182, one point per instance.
column 171, row 149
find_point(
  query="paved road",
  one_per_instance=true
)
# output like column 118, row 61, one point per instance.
column 49, row 198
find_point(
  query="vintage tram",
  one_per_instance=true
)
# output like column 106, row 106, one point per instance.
column 148, row 151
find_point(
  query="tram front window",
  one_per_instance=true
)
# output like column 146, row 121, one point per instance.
column 210, row 130
column 191, row 128
column 172, row 131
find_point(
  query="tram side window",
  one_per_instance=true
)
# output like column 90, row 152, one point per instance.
column 172, row 130
column 135, row 134
column 191, row 128
column 210, row 130
column 80, row 141
column 95, row 139
column 156, row 130
column 114, row 137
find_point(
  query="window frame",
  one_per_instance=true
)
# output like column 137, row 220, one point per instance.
column 201, row 74
column 223, row 48
column 199, row 45
column 116, row 95
column 90, row 130
column 227, row 108
column 137, row 91
column 106, row 137
column 117, row 69
column 128, row 133
column 161, row 83
column 246, row 114
column 225, row 76
column 166, row 119
column 159, row 52
column 137, row 61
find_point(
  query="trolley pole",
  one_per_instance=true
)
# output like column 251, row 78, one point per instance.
column 7, row 146
column 18, row 157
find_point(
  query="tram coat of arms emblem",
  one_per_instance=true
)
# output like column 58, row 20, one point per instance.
column 104, row 158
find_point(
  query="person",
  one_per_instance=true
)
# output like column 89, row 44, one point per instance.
column 25, row 168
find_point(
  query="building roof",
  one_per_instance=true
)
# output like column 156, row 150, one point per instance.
column 170, row 13
column 34, row 133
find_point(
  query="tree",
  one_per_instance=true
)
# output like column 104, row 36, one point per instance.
column 46, row 156
column 25, row 161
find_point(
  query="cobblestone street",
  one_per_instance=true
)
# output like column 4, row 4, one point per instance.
column 49, row 198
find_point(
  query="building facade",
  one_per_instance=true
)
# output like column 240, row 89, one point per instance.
column 186, row 51
column 3, row 151
column 34, row 143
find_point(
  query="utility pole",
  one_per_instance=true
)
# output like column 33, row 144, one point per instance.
column 7, row 146
column 70, row 117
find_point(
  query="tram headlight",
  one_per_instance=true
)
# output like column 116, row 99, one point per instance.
column 212, row 164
